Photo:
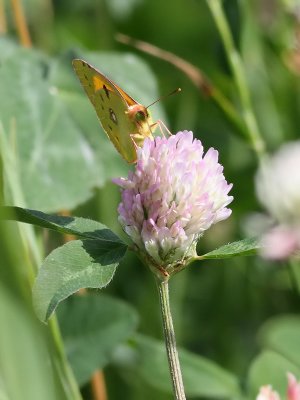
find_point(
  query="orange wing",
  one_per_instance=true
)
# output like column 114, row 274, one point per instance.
column 126, row 122
column 111, row 108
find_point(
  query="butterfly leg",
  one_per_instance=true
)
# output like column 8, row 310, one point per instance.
column 162, row 126
column 137, row 140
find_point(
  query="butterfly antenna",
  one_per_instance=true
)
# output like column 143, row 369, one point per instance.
column 164, row 97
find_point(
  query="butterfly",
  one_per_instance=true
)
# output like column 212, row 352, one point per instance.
column 126, row 122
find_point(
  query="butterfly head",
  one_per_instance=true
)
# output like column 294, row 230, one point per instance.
column 138, row 113
column 142, row 119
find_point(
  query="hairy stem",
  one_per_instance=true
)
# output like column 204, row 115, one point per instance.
column 170, row 340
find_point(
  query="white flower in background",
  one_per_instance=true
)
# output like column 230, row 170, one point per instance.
column 278, row 189
column 174, row 194
column 293, row 390
column 267, row 393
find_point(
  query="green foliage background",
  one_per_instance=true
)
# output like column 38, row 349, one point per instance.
column 55, row 158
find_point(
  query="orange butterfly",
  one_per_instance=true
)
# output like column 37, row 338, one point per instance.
column 126, row 122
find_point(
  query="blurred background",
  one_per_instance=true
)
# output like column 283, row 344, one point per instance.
column 55, row 158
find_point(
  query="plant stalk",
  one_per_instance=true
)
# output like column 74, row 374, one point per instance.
column 294, row 268
column 239, row 75
column 170, row 340
column 21, row 23
column 3, row 23
column 68, row 379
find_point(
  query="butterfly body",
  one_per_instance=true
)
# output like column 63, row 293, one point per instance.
column 126, row 122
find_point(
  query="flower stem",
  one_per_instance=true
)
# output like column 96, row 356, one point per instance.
column 170, row 340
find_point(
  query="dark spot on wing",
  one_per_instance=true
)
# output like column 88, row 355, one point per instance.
column 110, row 127
column 102, row 107
column 85, row 77
column 101, row 97
column 113, row 116
column 106, row 91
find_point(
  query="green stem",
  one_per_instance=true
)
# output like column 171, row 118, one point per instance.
column 69, row 382
column 236, row 65
column 228, row 108
column 294, row 267
column 170, row 340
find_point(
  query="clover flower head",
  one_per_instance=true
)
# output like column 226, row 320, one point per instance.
column 278, row 189
column 174, row 194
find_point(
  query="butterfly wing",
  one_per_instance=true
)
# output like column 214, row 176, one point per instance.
column 111, row 105
column 129, row 100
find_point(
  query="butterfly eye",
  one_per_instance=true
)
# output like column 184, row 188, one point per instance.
column 140, row 116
